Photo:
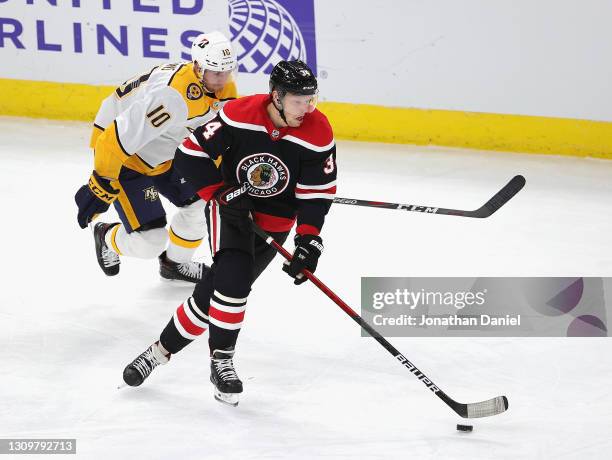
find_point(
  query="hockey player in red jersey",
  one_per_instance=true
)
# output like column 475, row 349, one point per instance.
column 278, row 168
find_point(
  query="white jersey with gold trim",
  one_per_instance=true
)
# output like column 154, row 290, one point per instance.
column 150, row 115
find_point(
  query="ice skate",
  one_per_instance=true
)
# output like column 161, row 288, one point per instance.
column 107, row 258
column 191, row 272
column 223, row 376
column 138, row 370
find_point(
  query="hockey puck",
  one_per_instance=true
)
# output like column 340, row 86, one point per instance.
column 465, row 427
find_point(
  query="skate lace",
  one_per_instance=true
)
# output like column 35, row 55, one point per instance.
column 225, row 369
column 146, row 362
column 190, row 269
column 109, row 257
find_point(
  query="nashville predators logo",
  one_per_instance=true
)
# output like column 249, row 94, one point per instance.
column 266, row 174
column 151, row 194
column 194, row 92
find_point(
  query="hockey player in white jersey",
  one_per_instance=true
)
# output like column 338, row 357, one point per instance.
column 136, row 133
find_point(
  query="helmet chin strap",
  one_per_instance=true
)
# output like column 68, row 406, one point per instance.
column 281, row 111
column 203, row 82
column 202, row 71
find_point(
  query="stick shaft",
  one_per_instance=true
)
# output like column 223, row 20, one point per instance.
column 369, row 329
column 497, row 201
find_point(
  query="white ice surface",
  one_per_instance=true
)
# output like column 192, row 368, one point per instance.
column 314, row 388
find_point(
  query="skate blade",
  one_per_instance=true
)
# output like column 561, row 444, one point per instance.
column 231, row 399
column 178, row 283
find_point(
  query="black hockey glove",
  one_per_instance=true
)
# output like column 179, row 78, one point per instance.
column 94, row 198
column 308, row 249
column 235, row 206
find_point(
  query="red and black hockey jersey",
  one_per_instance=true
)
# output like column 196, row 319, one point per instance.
column 291, row 172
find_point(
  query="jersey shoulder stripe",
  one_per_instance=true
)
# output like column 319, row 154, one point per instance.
column 199, row 115
column 250, row 112
column 184, row 82
column 314, row 134
column 308, row 145
column 176, row 72
column 238, row 124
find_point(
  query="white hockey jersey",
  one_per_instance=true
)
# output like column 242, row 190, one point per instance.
column 142, row 123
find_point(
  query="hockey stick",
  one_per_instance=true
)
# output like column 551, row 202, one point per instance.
column 497, row 201
column 471, row 410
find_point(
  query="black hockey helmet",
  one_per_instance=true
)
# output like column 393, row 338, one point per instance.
column 293, row 77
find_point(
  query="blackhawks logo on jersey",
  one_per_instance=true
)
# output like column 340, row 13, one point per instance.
column 266, row 174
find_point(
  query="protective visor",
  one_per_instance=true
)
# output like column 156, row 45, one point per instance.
column 297, row 103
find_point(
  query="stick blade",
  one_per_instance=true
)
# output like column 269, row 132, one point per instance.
column 487, row 408
column 502, row 197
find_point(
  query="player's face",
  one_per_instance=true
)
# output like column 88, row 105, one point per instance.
column 297, row 106
column 215, row 81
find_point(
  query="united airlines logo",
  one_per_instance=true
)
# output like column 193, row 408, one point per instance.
column 267, row 31
column 266, row 174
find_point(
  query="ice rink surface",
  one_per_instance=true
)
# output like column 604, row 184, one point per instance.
column 314, row 388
